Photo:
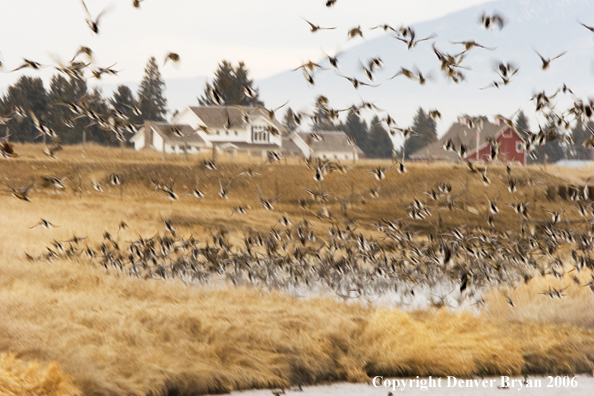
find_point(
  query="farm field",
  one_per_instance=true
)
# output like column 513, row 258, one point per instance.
column 110, row 331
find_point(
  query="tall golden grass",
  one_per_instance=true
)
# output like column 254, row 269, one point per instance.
column 576, row 307
column 118, row 336
column 18, row 378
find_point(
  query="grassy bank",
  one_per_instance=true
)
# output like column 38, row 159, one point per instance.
column 122, row 336
column 118, row 336
column 18, row 378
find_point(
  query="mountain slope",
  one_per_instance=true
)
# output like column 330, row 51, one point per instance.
column 550, row 27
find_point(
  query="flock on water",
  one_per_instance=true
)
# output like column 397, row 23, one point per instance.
column 446, row 267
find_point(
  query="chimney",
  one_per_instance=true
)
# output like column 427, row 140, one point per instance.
column 148, row 134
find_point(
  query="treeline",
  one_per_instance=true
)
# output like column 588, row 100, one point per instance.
column 52, row 107
column 559, row 149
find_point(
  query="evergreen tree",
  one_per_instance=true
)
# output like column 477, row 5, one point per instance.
column 29, row 94
column 357, row 129
column 522, row 124
column 552, row 151
column 231, row 84
column 579, row 134
column 123, row 101
column 94, row 133
column 151, row 98
column 427, row 133
column 322, row 121
column 379, row 142
column 62, row 119
column 289, row 121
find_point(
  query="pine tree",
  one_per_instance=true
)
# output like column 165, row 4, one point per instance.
column 151, row 98
column 427, row 133
column 579, row 134
column 29, row 94
column 230, row 83
column 62, row 90
column 522, row 124
column 94, row 133
column 379, row 142
column 123, row 101
column 289, row 121
column 357, row 129
column 322, row 121
column 552, row 151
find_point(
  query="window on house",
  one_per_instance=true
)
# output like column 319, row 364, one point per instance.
column 227, row 133
column 259, row 134
column 218, row 132
column 519, row 147
column 173, row 147
column 235, row 133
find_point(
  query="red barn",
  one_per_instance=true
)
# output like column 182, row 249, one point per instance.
column 475, row 136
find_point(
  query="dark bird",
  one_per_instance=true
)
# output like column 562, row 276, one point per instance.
column 411, row 43
column 93, row 23
column 45, row 224
column 315, row 28
column 22, row 193
column 7, row 149
column 172, row 56
column 470, row 44
column 333, row 60
column 590, row 28
column 385, row 27
column 357, row 83
column 379, row 172
column 434, row 114
column 354, row 32
column 29, row 64
column 547, row 62
column 491, row 21
column 238, row 209
column 51, row 151
column 271, row 113
column 266, row 203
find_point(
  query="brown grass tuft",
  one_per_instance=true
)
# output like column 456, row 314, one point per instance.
column 18, row 378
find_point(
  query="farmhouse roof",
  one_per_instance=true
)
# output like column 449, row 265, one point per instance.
column 168, row 132
column 246, row 145
column 218, row 116
column 290, row 148
column 332, row 141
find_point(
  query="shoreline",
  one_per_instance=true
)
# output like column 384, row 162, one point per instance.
column 537, row 385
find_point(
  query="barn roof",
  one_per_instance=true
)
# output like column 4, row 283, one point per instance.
column 460, row 133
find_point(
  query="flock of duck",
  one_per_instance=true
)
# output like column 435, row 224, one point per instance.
column 384, row 259
column 443, row 267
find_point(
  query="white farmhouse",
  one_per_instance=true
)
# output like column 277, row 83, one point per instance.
column 228, row 128
column 171, row 138
column 322, row 144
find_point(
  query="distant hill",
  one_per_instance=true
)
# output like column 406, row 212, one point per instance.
column 549, row 26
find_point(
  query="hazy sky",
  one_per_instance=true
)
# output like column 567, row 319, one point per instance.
column 269, row 35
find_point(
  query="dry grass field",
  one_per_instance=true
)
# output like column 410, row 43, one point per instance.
column 114, row 335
